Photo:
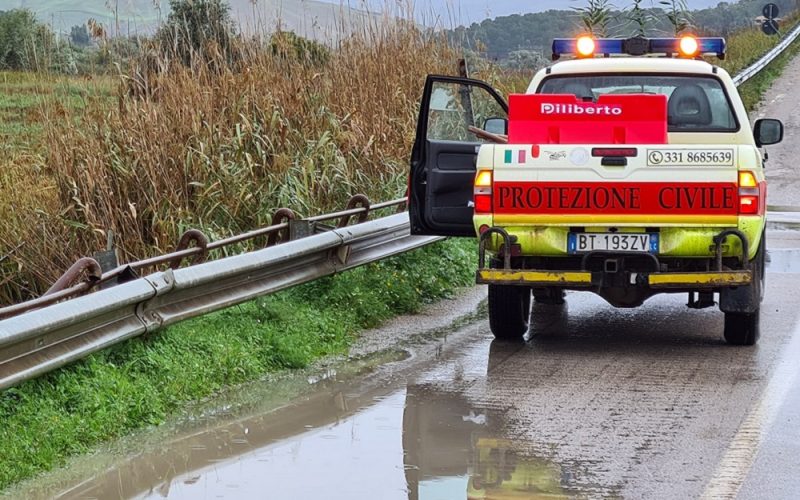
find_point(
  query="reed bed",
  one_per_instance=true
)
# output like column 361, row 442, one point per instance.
column 215, row 145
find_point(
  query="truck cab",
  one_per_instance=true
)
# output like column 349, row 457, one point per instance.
column 621, row 172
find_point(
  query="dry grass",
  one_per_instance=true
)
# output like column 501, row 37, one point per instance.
column 218, row 150
column 747, row 45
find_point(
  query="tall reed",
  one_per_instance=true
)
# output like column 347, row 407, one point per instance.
column 220, row 146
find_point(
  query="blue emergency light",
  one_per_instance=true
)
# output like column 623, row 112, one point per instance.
column 687, row 46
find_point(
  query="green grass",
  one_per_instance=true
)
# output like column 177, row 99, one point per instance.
column 746, row 47
column 141, row 382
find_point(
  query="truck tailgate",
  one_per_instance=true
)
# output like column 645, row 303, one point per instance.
column 619, row 185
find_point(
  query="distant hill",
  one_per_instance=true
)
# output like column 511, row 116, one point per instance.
column 134, row 15
column 520, row 25
column 534, row 32
column 310, row 18
column 451, row 13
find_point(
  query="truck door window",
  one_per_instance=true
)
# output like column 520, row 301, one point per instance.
column 455, row 107
column 696, row 103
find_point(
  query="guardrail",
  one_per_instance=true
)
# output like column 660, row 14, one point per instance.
column 783, row 216
column 63, row 325
column 38, row 341
column 752, row 70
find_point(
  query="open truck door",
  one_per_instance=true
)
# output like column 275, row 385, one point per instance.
column 445, row 151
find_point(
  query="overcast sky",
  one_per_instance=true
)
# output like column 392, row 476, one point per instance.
column 467, row 11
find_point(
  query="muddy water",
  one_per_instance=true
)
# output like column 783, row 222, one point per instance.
column 396, row 440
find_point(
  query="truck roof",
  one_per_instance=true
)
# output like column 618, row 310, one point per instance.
column 627, row 65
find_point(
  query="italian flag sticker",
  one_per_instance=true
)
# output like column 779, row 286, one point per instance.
column 516, row 156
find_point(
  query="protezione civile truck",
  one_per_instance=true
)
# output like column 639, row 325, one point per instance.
column 629, row 171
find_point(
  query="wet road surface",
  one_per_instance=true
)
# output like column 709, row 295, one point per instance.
column 601, row 402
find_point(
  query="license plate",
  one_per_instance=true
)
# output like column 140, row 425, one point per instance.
column 612, row 242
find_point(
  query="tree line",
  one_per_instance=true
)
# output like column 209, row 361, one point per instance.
column 515, row 37
column 195, row 31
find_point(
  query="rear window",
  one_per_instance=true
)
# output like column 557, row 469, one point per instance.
column 695, row 103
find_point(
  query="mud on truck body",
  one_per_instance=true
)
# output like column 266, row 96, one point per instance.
column 624, row 176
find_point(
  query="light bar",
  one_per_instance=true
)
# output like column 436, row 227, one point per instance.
column 639, row 46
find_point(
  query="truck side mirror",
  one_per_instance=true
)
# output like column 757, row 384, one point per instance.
column 768, row 131
column 496, row 125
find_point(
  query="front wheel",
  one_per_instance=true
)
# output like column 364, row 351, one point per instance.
column 509, row 311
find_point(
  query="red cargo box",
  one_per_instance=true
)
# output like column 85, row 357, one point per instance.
column 565, row 119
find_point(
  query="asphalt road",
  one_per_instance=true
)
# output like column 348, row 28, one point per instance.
column 783, row 170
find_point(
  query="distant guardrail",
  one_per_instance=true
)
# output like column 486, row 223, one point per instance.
column 764, row 61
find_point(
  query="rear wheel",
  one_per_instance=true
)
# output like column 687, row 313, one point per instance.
column 550, row 296
column 509, row 311
column 743, row 328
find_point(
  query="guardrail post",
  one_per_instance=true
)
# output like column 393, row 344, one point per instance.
column 300, row 228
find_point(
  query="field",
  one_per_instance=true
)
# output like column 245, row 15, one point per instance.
column 27, row 188
column 218, row 151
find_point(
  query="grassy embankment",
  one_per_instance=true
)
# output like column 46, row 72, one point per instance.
column 217, row 152
column 746, row 46
column 145, row 380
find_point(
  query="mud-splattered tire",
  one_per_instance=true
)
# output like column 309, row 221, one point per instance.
column 549, row 296
column 742, row 328
column 509, row 311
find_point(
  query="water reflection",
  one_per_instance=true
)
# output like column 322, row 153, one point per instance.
column 419, row 435
column 454, row 450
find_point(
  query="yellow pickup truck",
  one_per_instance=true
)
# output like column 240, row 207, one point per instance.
column 628, row 171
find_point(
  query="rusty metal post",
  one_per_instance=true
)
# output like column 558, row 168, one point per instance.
column 356, row 201
column 85, row 265
column 200, row 241
column 281, row 216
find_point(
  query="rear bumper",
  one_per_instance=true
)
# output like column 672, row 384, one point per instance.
column 590, row 280
column 675, row 241
column 616, row 272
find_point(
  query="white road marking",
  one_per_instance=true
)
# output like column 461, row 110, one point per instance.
column 732, row 470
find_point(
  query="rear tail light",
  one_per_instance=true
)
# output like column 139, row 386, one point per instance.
column 749, row 194
column 748, row 205
column 483, row 192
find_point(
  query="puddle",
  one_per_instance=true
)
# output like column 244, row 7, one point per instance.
column 413, row 437
column 454, row 450
column 783, row 260
column 415, row 443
